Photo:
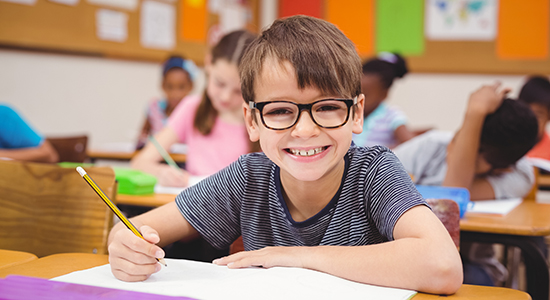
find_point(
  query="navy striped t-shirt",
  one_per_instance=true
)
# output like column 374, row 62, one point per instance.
column 246, row 199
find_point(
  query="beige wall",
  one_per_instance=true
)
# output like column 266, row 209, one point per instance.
column 106, row 98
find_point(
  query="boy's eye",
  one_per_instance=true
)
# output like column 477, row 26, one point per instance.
column 328, row 108
column 278, row 111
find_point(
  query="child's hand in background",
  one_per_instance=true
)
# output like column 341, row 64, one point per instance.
column 169, row 176
column 487, row 99
column 133, row 258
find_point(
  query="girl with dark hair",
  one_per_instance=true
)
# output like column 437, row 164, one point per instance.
column 383, row 125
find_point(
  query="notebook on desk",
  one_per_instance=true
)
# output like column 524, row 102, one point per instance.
column 208, row 281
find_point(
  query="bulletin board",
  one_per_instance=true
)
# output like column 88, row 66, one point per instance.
column 520, row 43
column 50, row 26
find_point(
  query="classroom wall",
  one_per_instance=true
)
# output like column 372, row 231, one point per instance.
column 106, row 98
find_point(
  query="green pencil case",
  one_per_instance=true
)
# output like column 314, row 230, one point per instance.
column 134, row 182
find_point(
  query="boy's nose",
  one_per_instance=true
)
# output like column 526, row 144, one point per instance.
column 305, row 127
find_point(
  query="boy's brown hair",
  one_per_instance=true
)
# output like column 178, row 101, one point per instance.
column 322, row 56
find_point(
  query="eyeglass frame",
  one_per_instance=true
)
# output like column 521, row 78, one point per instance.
column 301, row 107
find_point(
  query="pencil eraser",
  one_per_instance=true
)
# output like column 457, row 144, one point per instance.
column 81, row 171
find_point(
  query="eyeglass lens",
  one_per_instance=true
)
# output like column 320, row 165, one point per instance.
column 327, row 113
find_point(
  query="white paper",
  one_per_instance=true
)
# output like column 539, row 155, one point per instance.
column 499, row 207
column 233, row 17
column 461, row 19
column 161, row 189
column 66, row 2
column 111, row 25
column 178, row 148
column 124, row 4
column 158, row 25
column 26, row 2
column 540, row 163
column 208, row 282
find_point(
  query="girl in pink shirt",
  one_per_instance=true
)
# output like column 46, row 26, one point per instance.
column 212, row 126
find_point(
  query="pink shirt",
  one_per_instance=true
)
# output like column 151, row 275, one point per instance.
column 207, row 155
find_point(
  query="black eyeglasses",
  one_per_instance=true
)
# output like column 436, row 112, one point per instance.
column 326, row 113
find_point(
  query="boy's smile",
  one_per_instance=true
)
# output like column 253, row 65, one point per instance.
column 304, row 152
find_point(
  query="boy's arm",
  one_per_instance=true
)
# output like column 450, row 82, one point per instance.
column 134, row 259
column 149, row 160
column 422, row 257
column 462, row 155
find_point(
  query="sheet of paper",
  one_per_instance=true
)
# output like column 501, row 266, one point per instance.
column 207, row 281
column 111, row 25
column 461, row 20
column 540, row 163
column 161, row 189
column 158, row 25
column 26, row 2
column 499, row 207
column 124, row 4
column 233, row 17
column 66, row 2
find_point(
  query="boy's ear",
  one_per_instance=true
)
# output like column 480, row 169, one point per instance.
column 358, row 114
column 250, row 122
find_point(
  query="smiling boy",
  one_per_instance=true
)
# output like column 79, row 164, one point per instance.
column 311, row 200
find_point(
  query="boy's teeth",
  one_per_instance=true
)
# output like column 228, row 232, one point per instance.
column 309, row 152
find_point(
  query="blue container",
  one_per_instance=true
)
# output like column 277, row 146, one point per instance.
column 459, row 195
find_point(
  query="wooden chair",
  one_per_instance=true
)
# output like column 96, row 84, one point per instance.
column 70, row 148
column 446, row 210
column 47, row 209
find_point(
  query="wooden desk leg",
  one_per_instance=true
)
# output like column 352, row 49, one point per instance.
column 536, row 265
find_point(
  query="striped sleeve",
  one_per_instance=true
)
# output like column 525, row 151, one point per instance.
column 213, row 205
column 391, row 194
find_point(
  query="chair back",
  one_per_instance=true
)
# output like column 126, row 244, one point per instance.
column 448, row 212
column 47, row 209
column 70, row 148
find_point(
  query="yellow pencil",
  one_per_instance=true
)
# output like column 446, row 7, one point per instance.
column 113, row 207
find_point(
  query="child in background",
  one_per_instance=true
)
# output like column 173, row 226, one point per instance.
column 485, row 156
column 178, row 75
column 383, row 125
column 536, row 93
column 20, row 142
column 212, row 126
column 311, row 199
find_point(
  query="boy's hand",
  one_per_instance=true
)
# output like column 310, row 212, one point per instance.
column 169, row 176
column 267, row 257
column 131, row 257
column 487, row 99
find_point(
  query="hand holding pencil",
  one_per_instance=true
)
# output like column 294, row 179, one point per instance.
column 149, row 236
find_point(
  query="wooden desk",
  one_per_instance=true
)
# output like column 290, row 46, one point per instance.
column 61, row 264
column 114, row 155
column 527, row 220
column 153, row 200
column 10, row 258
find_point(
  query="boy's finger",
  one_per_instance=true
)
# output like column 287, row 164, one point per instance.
column 149, row 234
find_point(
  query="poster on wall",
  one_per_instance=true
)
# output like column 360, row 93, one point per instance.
column 124, row 4
column 157, row 25
column 461, row 19
column 111, row 25
column 26, row 2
